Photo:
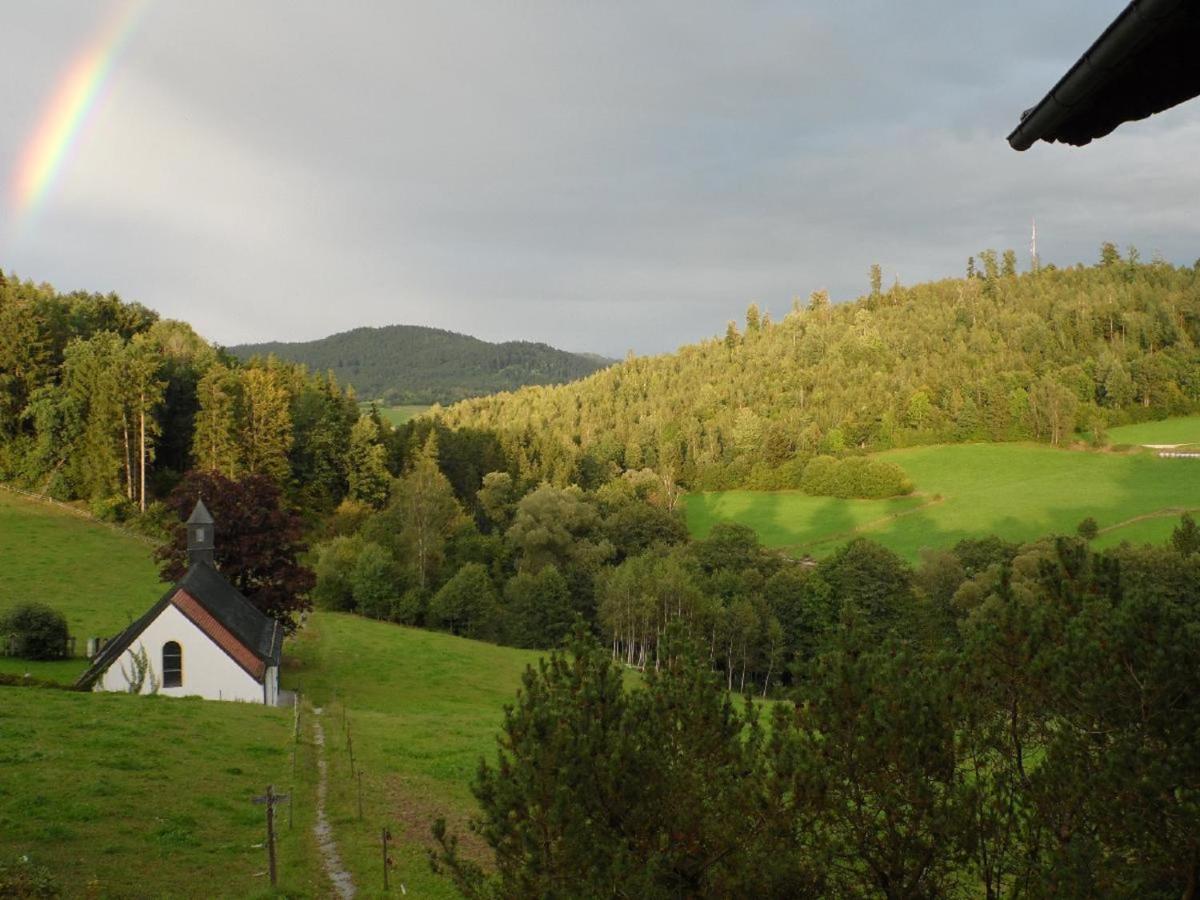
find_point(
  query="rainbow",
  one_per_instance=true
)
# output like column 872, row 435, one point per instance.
column 63, row 119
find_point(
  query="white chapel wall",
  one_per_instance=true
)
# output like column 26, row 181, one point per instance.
column 208, row 671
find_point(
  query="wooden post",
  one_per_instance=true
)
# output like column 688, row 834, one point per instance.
column 386, row 835
column 360, row 815
column 270, row 799
column 295, row 736
column 271, row 832
column 350, row 748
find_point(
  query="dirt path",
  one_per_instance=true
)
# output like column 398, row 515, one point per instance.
column 1166, row 512
column 340, row 878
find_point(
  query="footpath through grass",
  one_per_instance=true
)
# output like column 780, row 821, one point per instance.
column 420, row 709
column 99, row 578
column 123, row 796
column 1016, row 491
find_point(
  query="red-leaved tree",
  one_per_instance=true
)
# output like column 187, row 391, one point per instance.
column 258, row 541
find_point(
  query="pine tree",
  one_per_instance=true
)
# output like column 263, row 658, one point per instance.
column 215, row 444
column 266, row 435
column 367, row 464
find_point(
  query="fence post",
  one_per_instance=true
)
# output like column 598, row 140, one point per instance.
column 271, row 831
column 386, row 834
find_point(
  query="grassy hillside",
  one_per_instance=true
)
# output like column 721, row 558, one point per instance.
column 1181, row 430
column 1017, row 491
column 101, row 579
column 125, row 796
column 408, row 364
column 423, row 707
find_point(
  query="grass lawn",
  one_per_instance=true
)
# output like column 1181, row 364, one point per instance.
column 422, row 709
column 1182, row 430
column 1017, row 491
column 398, row 415
column 122, row 796
column 100, row 578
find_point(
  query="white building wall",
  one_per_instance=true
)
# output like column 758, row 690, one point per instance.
column 208, row 671
column 271, row 682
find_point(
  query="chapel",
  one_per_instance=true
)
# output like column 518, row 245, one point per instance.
column 202, row 638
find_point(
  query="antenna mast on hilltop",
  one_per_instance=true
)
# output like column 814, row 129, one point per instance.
column 1033, row 257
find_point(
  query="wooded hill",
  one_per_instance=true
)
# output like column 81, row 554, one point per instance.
column 993, row 356
column 412, row 364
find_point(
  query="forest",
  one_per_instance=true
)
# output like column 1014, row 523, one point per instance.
column 997, row 356
column 410, row 364
column 1003, row 722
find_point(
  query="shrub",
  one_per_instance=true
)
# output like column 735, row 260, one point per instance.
column 1088, row 529
column 37, row 631
column 409, row 607
column 113, row 509
column 860, row 477
column 25, row 878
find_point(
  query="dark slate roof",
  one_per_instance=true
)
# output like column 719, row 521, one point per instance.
column 200, row 515
column 1146, row 61
column 257, row 631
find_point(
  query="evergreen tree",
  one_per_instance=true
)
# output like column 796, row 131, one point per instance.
column 266, row 435
column 216, row 447
column 367, row 464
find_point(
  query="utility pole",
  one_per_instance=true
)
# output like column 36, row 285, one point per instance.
column 1033, row 254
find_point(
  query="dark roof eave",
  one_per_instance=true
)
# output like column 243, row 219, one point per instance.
column 1137, row 24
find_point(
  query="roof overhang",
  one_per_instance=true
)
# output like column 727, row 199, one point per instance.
column 1146, row 61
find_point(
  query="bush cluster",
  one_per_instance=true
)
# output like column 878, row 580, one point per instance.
column 34, row 631
column 854, row 477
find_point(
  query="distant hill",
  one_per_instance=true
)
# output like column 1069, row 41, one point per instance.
column 413, row 364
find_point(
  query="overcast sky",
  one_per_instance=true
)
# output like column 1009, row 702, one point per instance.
column 599, row 176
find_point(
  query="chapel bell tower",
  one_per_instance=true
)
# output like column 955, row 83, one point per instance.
column 200, row 535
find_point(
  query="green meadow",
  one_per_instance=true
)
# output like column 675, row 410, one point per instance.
column 398, row 415
column 1016, row 491
column 94, row 774
column 121, row 796
column 1183, row 430
column 422, row 708
column 99, row 577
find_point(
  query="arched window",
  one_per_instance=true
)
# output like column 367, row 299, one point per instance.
column 172, row 665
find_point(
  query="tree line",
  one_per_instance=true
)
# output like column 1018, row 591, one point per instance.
column 105, row 402
column 998, row 355
column 1004, row 721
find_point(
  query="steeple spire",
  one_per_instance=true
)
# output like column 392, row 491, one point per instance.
column 200, row 535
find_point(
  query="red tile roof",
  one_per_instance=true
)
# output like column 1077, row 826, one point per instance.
column 220, row 635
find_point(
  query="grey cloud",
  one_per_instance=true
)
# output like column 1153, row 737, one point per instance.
column 600, row 176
